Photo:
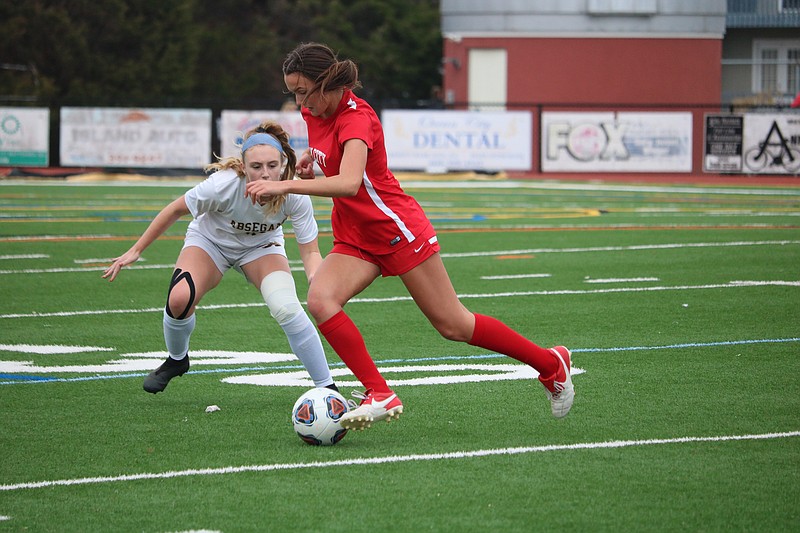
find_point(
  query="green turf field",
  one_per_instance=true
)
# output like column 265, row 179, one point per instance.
column 681, row 305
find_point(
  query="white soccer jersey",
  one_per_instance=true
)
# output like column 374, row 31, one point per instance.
column 225, row 215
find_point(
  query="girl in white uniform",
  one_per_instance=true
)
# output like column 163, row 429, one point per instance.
column 228, row 230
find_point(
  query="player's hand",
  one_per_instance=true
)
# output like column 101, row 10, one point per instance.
column 259, row 190
column 124, row 260
column 305, row 166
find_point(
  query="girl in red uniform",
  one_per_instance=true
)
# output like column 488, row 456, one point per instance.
column 378, row 229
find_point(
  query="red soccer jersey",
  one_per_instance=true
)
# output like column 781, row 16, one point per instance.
column 381, row 217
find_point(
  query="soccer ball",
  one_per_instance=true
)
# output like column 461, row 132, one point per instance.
column 316, row 416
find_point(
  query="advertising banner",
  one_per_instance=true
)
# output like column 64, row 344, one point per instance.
column 616, row 142
column 233, row 124
column 24, row 136
column 724, row 135
column 753, row 143
column 771, row 143
column 439, row 141
column 128, row 137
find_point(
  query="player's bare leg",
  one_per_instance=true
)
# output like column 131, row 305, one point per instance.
column 432, row 290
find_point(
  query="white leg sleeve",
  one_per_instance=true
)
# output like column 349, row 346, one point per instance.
column 177, row 334
column 279, row 292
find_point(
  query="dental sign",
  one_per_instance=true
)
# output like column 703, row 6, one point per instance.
column 441, row 141
column 616, row 142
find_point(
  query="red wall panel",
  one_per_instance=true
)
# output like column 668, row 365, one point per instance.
column 600, row 73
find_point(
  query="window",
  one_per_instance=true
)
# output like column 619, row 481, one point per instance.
column 790, row 5
column 622, row 7
column 777, row 67
column 793, row 73
column 741, row 6
column 769, row 70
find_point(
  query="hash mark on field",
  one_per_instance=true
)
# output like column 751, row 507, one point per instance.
column 618, row 280
column 25, row 256
column 518, row 276
column 51, row 348
column 393, row 459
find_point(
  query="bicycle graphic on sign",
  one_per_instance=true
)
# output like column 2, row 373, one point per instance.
column 773, row 154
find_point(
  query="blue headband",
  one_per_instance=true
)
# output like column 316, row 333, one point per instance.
column 262, row 138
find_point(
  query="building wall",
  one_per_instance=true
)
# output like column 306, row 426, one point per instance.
column 592, row 54
column 595, row 70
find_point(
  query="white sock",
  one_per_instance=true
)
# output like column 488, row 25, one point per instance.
column 306, row 344
column 176, row 335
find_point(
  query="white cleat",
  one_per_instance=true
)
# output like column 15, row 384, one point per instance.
column 561, row 393
column 374, row 407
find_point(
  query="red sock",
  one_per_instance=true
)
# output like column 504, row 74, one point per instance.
column 344, row 337
column 493, row 335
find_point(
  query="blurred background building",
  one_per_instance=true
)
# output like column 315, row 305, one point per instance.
column 620, row 52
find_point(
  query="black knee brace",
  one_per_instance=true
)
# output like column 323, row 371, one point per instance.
column 177, row 276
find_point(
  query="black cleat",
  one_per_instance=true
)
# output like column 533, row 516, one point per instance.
column 158, row 379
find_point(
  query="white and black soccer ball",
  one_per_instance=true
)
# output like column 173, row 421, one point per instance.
column 316, row 416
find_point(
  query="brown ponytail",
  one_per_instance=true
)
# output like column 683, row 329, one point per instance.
column 319, row 63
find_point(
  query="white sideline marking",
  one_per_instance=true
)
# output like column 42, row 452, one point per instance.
column 389, row 459
column 730, row 285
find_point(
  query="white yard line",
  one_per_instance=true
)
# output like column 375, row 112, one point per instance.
column 564, row 292
column 640, row 247
column 673, row 246
column 391, row 459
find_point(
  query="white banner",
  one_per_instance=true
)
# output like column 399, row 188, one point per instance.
column 617, row 142
column 233, row 124
column 771, row 143
column 439, row 141
column 127, row 137
column 24, row 136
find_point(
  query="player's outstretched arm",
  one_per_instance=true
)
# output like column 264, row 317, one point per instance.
column 161, row 223
column 346, row 183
